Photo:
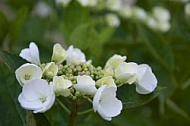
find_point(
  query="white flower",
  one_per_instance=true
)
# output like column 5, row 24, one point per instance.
column 50, row 70
column 31, row 54
column 114, row 5
column 89, row 3
column 126, row 12
column 108, row 71
column 127, row 72
column 86, row 85
column 164, row 26
column 59, row 54
column 139, row 13
column 187, row 9
column 106, row 103
column 61, row 86
column 27, row 72
column 37, row 95
column 151, row 22
column 112, row 20
column 114, row 61
column 108, row 80
column 41, row 9
column 161, row 14
column 63, row 2
column 74, row 55
column 146, row 81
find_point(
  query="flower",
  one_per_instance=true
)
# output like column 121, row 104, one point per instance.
column 59, row 54
column 106, row 103
column 50, row 70
column 31, row 54
column 89, row 3
column 108, row 71
column 74, row 55
column 41, row 9
column 187, row 9
column 108, row 80
column 112, row 20
column 127, row 72
column 114, row 5
column 37, row 95
column 27, row 72
column 160, row 13
column 139, row 13
column 61, row 86
column 146, row 81
column 86, row 85
column 114, row 61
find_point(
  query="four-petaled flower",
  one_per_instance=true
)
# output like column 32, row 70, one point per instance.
column 50, row 70
column 31, row 54
column 27, row 72
column 74, row 55
column 37, row 95
column 59, row 54
column 106, row 103
column 127, row 72
column 86, row 85
column 61, row 86
column 146, row 81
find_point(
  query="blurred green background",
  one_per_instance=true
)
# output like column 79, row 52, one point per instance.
column 168, row 53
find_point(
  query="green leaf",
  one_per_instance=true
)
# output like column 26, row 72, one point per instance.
column 4, row 25
column 86, row 38
column 11, row 114
column 17, row 25
column 158, row 48
column 73, row 15
column 12, row 61
column 131, row 99
column 41, row 120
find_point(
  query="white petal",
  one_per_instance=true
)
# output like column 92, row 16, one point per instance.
column 127, row 72
column 106, row 103
column 114, row 61
column 74, row 55
column 35, row 88
column 34, row 52
column 34, row 92
column 85, row 84
column 29, row 105
column 97, row 97
column 110, row 104
column 49, row 101
column 107, row 80
column 147, row 81
column 31, row 54
column 31, row 70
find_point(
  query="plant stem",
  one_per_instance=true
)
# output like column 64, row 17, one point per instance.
column 85, row 112
column 73, row 114
column 63, row 106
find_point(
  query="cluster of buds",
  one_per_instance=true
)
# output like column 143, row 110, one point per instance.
column 69, row 75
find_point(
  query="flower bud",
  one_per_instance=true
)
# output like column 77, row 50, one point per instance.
column 61, row 86
column 127, row 72
column 50, row 70
column 59, row 54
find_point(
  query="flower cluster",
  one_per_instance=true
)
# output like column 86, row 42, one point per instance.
column 70, row 75
column 158, row 19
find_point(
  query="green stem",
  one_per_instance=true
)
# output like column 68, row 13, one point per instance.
column 85, row 112
column 73, row 114
column 63, row 106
